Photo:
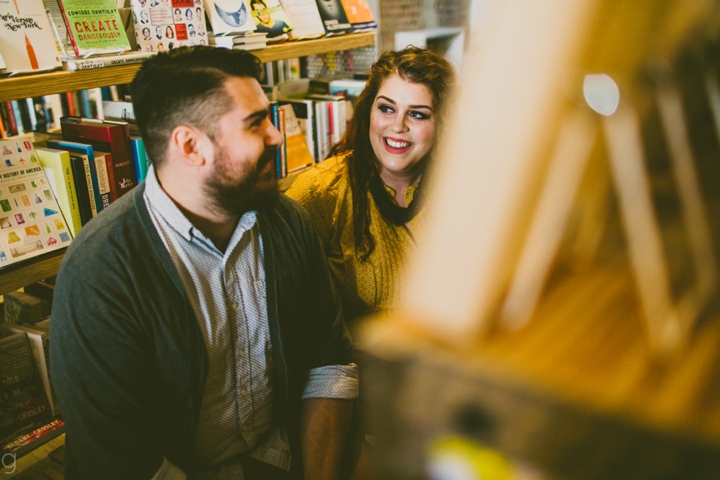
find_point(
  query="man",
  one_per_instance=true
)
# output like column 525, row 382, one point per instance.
column 196, row 331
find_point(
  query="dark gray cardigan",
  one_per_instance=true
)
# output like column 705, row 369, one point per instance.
column 128, row 360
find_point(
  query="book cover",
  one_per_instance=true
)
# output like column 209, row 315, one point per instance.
column 77, row 162
column 59, row 172
column 229, row 16
column 270, row 18
column 298, row 154
column 304, row 112
column 31, row 222
column 23, row 404
column 39, row 341
column 108, row 136
column 88, row 153
column 165, row 24
column 305, row 19
column 359, row 14
column 94, row 26
column 26, row 37
column 333, row 16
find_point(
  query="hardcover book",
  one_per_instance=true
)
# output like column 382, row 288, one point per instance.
column 108, row 136
column 333, row 16
column 22, row 397
column 59, row 172
column 83, row 186
column 94, row 26
column 31, row 222
column 270, row 18
column 229, row 16
column 165, row 24
column 21, row 307
column 26, row 37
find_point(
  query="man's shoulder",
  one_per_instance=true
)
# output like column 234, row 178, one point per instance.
column 109, row 234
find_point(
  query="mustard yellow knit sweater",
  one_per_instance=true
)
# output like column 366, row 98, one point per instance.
column 364, row 286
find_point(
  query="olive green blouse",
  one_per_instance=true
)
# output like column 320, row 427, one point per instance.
column 365, row 286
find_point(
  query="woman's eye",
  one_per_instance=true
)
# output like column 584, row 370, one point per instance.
column 385, row 108
column 418, row 115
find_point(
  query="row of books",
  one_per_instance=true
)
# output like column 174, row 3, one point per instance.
column 28, row 404
column 312, row 115
column 42, row 114
column 37, row 35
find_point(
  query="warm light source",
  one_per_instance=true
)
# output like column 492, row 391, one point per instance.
column 601, row 93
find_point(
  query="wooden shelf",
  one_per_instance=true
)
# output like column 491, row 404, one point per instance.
column 30, row 271
column 60, row 81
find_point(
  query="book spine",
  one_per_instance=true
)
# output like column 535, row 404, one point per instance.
column 32, row 119
column 274, row 113
column 103, row 182
column 125, row 175
column 73, row 65
column 40, row 108
column 283, row 147
column 110, row 169
column 4, row 123
column 11, row 118
column 18, row 117
column 81, row 188
column 69, row 28
column 140, row 158
column 91, row 182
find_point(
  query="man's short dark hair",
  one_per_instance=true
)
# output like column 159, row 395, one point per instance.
column 185, row 86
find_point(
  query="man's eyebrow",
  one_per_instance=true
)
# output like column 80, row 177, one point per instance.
column 258, row 115
column 411, row 106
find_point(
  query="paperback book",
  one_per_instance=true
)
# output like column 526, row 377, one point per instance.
column 305, row 19
column 270, row 18
column 23, row 404
column 229, row 16
column 31, row 222
column 94, row 26
column 26, row 38
column 162, row 25
column 359, row 15
column 333, row 16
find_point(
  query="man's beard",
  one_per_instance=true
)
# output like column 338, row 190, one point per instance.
column 257, row 190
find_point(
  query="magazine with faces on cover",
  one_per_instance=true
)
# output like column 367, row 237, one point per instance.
column 165, row 24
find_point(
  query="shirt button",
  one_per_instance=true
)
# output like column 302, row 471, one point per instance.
column 243, row 391
column 241, row 352
column 234, row 305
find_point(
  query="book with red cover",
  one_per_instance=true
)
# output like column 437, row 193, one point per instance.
column 112, row 137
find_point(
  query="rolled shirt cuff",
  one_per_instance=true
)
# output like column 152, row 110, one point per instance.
column 333, row 381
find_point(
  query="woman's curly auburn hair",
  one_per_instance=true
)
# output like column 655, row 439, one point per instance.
column 413, row 64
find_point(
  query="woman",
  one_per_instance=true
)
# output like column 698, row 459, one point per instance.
column 366, row 200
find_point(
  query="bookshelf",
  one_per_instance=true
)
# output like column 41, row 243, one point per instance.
column 36, row 269
column 61, row 81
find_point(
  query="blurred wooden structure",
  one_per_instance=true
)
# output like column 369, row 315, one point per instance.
column 563, row 304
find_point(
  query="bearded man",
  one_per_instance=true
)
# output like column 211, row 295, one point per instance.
column 196, row 331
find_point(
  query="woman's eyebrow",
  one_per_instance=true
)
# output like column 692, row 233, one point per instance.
column 411, row 106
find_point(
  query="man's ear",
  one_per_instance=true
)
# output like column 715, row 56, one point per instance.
column 189, row 145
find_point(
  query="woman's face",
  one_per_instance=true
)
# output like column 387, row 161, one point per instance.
column 403, row 127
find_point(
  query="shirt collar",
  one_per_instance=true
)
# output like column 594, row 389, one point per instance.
column 161, row 204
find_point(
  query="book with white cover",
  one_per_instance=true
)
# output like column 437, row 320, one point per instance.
column 229, row 16
column 305, row 19
column 27, row 42
column 166, row 24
